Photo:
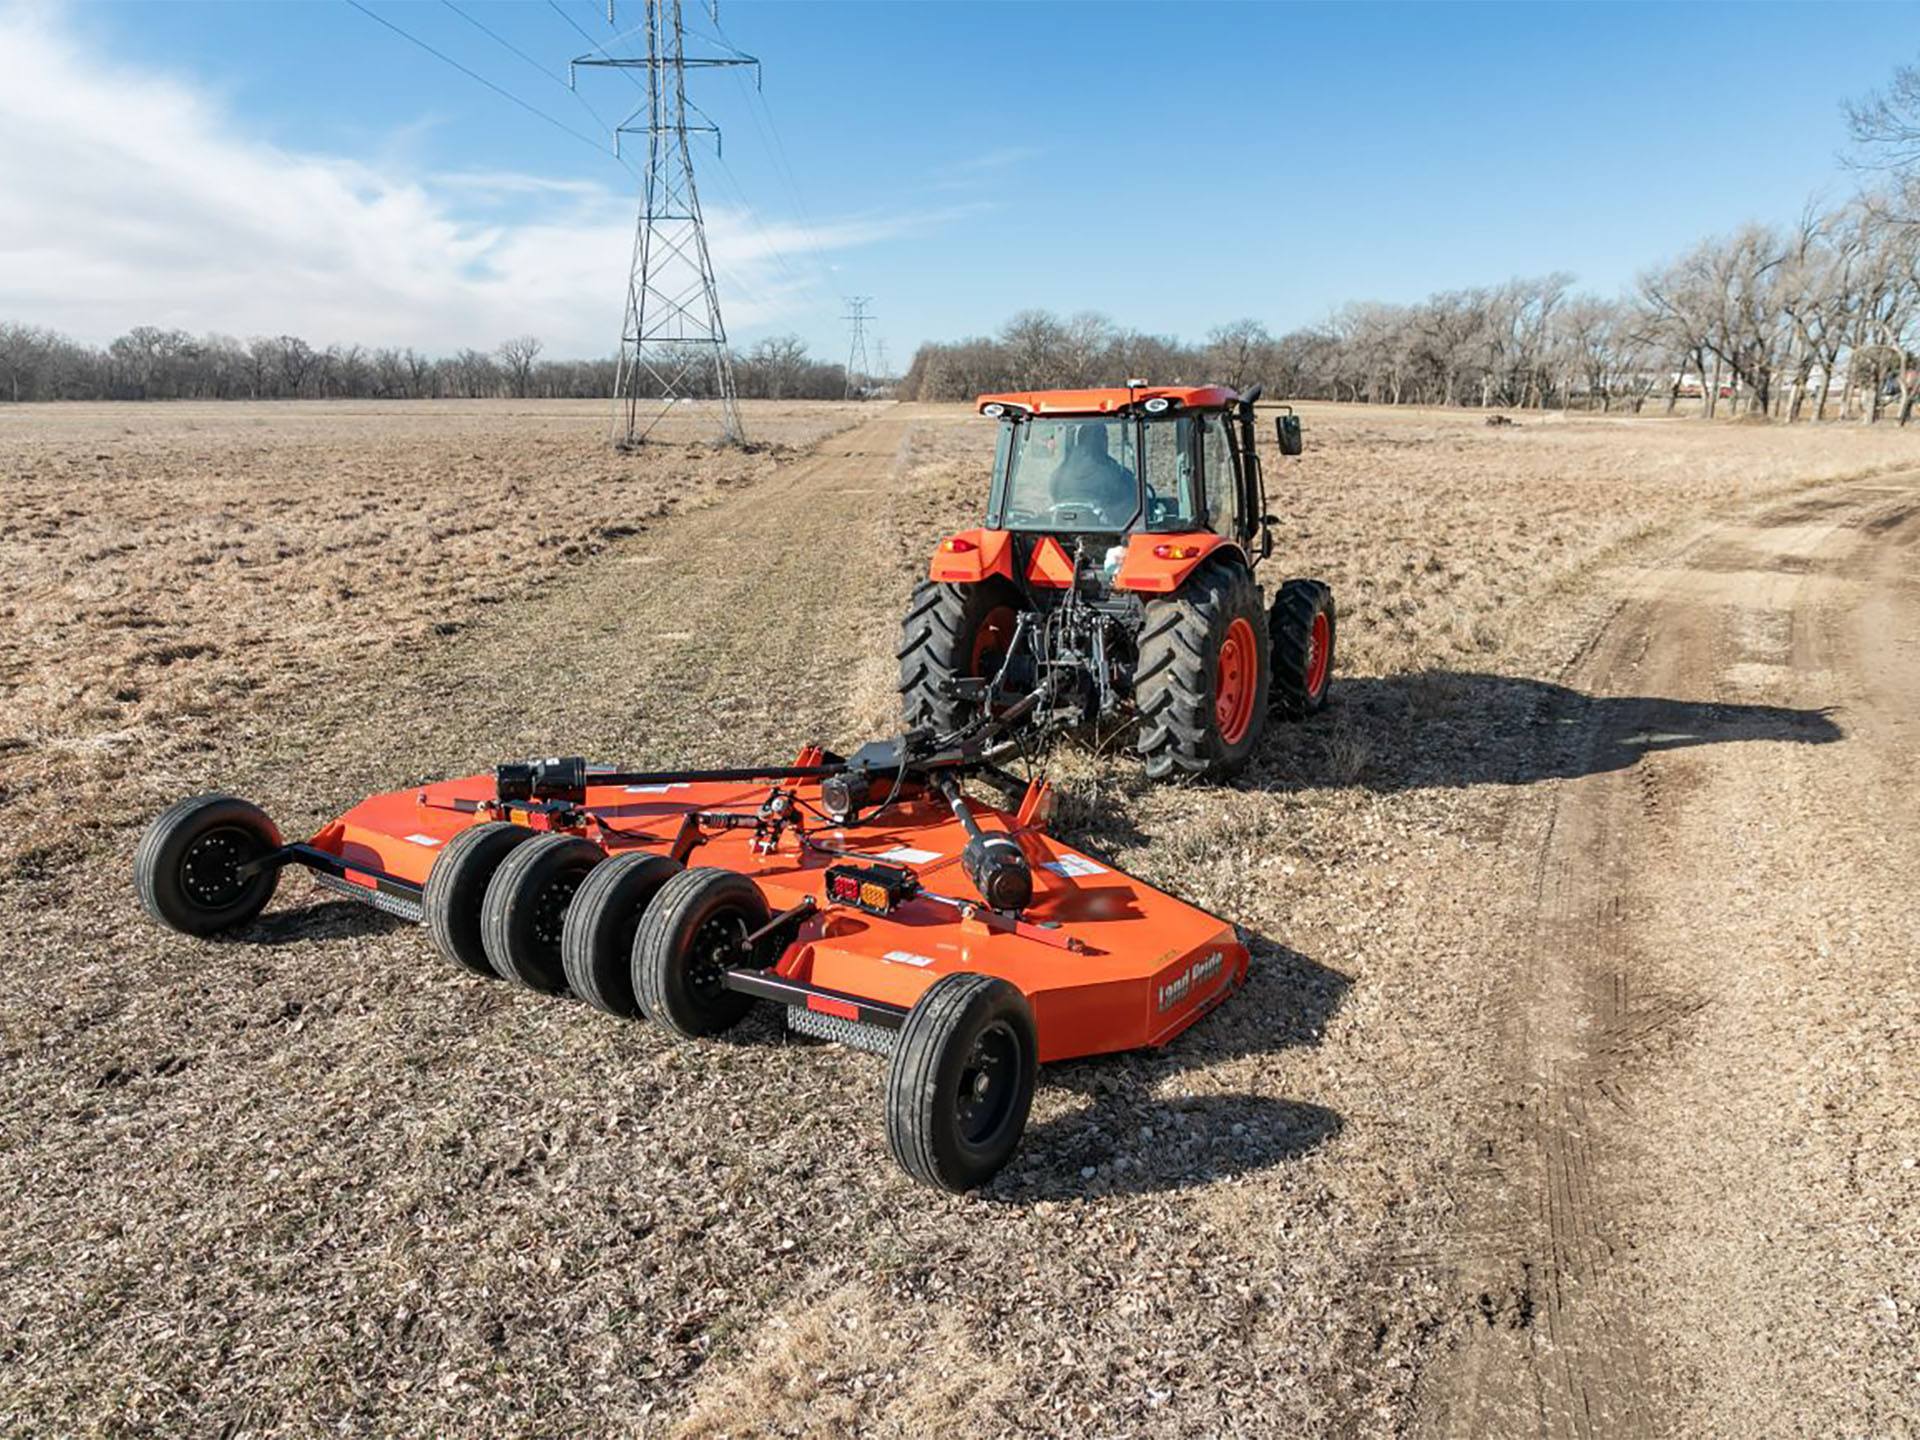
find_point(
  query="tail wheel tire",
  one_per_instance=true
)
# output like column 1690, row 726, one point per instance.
column 951, row 632
column 525, row 910
column 1303, row 628
column 457, row 890
column 1203, row 678
column 187, row 866
column 596, row 944
column 695, row 928
column 961, row 1081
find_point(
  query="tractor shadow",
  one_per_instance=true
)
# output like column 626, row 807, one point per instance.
column 1450, row 728
column 1138, row 1136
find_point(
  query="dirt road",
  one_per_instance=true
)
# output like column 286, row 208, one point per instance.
column 1571, row 1094
column 1698, row 1219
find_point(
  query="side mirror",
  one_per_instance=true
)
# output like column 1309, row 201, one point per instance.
column 1287, row 431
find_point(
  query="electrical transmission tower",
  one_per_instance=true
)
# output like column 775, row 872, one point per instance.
column 673, row 343
column 857, row 316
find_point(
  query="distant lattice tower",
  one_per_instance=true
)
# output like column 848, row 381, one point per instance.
column 673, row 343
column 858, row 365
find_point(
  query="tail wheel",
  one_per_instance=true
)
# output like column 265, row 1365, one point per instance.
column 951, row 632
column 695, row 928
column 596, row 946
column 961, row 1081
column 1304, row 629
column 524, row 914
column 457, row 890
column 1201, row 687
column 189, row 867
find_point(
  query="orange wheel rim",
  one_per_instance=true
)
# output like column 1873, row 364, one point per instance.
column 1235, row 678
column 1319, row 653
column 991, row 639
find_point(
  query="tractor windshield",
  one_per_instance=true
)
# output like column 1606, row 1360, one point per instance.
column 1081, row 473
column 1085, row 473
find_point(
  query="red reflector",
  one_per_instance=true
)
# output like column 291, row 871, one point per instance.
column 845, row 888
column 958, row 546
column 827, row 1005
column 1175, row 552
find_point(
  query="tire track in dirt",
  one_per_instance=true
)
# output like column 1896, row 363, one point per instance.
column 1573, row 1267
column 746, row 628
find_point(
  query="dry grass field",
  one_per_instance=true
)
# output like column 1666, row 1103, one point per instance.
column 312, row 1181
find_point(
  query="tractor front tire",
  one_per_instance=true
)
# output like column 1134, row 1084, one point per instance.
column 1201, row 687
column 525, row 910
column 951, row 632
column 1302, row 626
column 961, row 1081
column 596, row 947
column 457, row 890
column 187, row 864
column 695, row 928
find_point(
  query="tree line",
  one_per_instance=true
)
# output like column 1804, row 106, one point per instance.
column 148, row 363
column 1819, row 320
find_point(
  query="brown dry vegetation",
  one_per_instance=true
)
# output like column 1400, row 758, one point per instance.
column 314, row 1180
column 170, row 569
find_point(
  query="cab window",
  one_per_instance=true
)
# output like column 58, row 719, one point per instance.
column 1223, row 490
column 1172, row 499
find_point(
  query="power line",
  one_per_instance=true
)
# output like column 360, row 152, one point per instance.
column 475, row 75
column 579, row 99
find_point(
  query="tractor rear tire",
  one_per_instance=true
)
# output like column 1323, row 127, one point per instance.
column 1201, row 686
column 596, row 947
column 525, row 911
column 1303, row 630
column 961, row 1081
column 951, row 632
column 457, row 890
column 696, row 926
column 186, row 864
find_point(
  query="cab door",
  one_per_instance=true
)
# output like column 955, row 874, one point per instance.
column 1222, row 479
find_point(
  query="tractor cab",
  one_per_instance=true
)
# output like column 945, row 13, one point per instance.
column 1094, row 465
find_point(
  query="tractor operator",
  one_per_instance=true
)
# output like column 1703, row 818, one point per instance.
column 1090, row 476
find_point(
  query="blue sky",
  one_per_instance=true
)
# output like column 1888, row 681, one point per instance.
column 220, row 166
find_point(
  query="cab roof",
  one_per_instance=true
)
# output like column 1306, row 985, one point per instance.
column 1105, row 402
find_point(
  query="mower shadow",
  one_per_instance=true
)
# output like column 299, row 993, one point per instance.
column 319, row 920
column 1450, row 728
column 1139, row 1139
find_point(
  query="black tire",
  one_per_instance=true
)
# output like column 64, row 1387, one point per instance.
column 691, row 930
column 596, row 946
column 1181, row 680
column 457, row 890
column 961, row 1081
column 1300, row 686
column 948, row 634
column 186, row 864
column 525, row 910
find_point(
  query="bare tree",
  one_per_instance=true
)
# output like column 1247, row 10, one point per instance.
column 1239, row 352
column 517, row 357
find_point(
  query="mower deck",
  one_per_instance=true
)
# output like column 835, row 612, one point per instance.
column 1107, row 962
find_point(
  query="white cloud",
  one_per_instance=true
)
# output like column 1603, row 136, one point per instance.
column 129, row 197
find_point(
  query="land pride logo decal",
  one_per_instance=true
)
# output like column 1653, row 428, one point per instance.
column 1196, row 976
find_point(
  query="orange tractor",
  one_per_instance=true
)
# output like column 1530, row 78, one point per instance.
column 1116, row 569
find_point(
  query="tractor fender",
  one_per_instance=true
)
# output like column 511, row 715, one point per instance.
column 1162, row 573
column 972, row 556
